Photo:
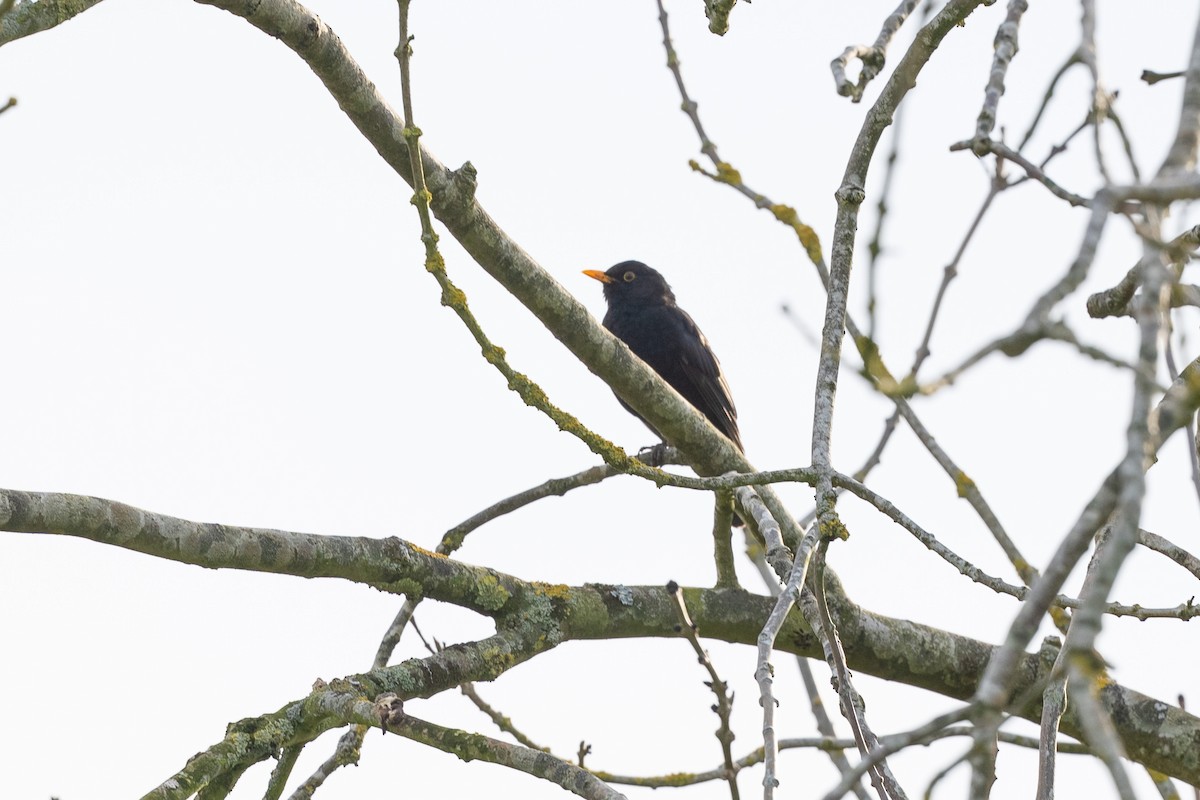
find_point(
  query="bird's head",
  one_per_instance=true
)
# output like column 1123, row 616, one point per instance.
column 632, row 283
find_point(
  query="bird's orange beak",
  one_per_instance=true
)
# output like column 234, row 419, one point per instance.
column 598, row 275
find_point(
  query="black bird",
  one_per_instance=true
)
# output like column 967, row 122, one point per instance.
column 642, row 314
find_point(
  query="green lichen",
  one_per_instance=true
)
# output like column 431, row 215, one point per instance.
column 532, row 394
column 467, row 746
column 407, row 587
column 834, row 529
column 807, row 236
column 489, row 594
column 586, row 613
column 874, row 368
column 497, row 660
column 963, row 484
column 673, row 779
column 453, row 297
column 493, row 354
column 727, row 174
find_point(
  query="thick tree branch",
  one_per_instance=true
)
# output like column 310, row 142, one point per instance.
column 29, row 17
column 391, row 565
column 533, row 617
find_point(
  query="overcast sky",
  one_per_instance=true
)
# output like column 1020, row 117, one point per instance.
column 215, row 307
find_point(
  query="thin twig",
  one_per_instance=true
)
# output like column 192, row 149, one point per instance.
column 1006, row 48
column 1126, row 143
column 996, row 185
column 1172, row 551
column 1019, row 341
column 1054, row 703
column 725, row 172
column 1071, row 61
column 1185, row 611
column 555, row 487
column 875, row 246
column 723, row 541
column 1164, row 785
column 827, row 744
column 1101, row 99
column 1189, row 427
column 824, row 723
column 872, row 58
column 942, row 774
column 502, row 721
column 934, row 729
column 852, row 705
column 991, row 693
column 524, row 759
column 764, row 672
column 347, row 752
column 1151, row 77
column 981, row 147
column 724, row 707
column 1100, row 734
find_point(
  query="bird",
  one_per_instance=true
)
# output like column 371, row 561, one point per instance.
column 642, row 313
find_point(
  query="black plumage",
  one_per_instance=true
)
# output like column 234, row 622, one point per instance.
column 642, row 313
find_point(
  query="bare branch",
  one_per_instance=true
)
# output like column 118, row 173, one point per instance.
column 537, row 763
column 765, row 672
column 347, row 752
column 872, row 57
column 1172, row 551
column 1006, row 49
column 815, row 605
column 724, row 707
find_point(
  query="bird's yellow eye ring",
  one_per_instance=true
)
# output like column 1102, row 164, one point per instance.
column 628, row 277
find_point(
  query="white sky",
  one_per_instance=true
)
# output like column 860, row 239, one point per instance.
column 215, row 307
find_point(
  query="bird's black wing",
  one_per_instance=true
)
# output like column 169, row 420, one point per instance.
column 700, row 380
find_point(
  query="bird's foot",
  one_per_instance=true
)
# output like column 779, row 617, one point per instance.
column 655, row 455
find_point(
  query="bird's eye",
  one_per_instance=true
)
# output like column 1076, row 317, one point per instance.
column 628, row 276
